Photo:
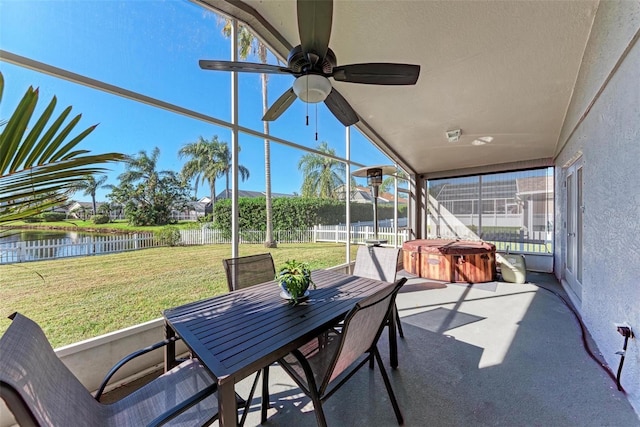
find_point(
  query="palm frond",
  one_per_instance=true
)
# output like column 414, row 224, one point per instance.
column 38, row 169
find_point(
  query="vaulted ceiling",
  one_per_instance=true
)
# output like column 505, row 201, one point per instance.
column 502, row 72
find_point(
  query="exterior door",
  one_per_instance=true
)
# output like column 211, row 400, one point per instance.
column 575, row 210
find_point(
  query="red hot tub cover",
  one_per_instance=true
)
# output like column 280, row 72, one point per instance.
column 448, row 247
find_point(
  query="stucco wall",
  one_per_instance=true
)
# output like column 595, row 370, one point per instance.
column 609, row 139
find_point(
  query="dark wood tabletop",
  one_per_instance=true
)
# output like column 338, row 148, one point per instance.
column 236, row 334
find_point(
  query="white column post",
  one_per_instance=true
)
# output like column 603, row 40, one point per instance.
column 347, row 195
column 234, row 143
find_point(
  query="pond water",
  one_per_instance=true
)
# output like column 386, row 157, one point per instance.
column 33, row 245
column 26, row 235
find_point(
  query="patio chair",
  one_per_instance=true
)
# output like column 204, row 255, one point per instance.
column 246, row 271
column 319, row 370
column 379, row 263
column 41, row 391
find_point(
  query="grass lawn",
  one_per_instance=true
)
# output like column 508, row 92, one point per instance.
column 78, row 298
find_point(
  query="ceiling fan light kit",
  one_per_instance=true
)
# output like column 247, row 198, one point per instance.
column 312, row 88
column 312, row 62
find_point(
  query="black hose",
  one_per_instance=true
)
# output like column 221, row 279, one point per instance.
column 585, row 343
column 622, row 354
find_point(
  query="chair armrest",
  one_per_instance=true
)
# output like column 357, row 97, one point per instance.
column 127, row 359
column 16, row 404
column 178, row 409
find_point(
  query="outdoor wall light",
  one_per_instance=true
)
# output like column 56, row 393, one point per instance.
column 453, row 135
column 312, row 88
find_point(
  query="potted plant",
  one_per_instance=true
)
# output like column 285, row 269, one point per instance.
column 294, row 278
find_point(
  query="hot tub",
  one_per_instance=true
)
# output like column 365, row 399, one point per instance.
column 450, row 260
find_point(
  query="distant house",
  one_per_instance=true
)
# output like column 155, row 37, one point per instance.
column 84, row 210
column 525, row 202
column 363, row 195
column 81, row 210
column 193, row 210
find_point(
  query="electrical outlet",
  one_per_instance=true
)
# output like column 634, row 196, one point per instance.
column 624, row 329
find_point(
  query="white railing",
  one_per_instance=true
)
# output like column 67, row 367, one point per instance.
column 36, row 250
column 359, row 234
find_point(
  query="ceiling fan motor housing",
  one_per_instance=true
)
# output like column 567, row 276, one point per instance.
column 297, row 59
column 312, row 63
column 299, row 62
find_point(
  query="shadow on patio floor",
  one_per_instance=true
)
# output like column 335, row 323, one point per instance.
column 487, row 354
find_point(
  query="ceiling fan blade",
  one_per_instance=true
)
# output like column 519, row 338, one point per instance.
column 247, row 67
column 278, row 107
column 341, row 108
column 378, row 73
column 314, row 26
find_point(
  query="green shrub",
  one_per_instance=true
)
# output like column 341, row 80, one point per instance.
column 53, row 216
column 206, row 218
column 168, row 235
column 295, row 213
column 32, row 219
column 100, row 219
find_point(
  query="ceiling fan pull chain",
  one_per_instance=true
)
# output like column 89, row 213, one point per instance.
column 316, row 121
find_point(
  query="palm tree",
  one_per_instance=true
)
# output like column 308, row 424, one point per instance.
column 143, row 167
column 323, row 176
column 39, row 168
column 389, row 182
column 90, row 185
column 224, row 160
column 203, row 163
column 149, row 195
column 249, row 44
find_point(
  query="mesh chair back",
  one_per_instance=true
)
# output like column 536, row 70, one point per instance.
column 362, row 328
column 376, row 262
column 243, row 272
column 51, row 393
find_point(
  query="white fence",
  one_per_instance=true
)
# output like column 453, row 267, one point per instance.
column 36, row 250
column 320, row 233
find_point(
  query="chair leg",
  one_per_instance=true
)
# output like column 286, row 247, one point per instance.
column 387, row 384
column 247, row 405
column 317, row 408
column 399, row 325
column 264, row 407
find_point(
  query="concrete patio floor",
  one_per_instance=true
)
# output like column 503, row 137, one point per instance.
column 485, row 354
column 489, row 354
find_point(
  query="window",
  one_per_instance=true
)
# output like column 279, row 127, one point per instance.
column 517, row 209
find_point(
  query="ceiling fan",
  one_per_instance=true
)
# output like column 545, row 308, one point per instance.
column 312, row 62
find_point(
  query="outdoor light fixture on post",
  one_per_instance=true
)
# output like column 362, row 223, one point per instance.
column 374, row 176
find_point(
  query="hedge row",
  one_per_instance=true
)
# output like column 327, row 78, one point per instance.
column 295, row 213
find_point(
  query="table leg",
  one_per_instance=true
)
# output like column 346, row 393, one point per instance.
column 265, row 395
column 393, row 339
column 169, row 349
column 227, row 405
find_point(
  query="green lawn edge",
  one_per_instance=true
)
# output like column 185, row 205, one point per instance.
column 74, row 299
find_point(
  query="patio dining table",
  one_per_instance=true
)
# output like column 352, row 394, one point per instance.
column 237, row 334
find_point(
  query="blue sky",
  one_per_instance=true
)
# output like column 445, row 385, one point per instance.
column 153, row 47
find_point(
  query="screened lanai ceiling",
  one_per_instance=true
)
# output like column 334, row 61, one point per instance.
column 502, row 72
